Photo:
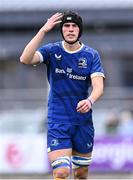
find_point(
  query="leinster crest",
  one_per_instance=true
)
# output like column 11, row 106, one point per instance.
column 82, row 63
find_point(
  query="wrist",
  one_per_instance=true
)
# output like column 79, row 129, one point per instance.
column 90, row 100
column 43, row 30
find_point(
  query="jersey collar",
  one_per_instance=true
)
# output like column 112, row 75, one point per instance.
column 71, row 52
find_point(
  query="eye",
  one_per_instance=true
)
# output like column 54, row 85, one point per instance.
column 75, row 25
column 66, row 25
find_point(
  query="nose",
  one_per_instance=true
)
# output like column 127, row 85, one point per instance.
column 70, row 28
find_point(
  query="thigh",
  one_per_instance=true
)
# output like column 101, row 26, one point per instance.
column 83, row 140
column 59, row 153
column 75, row 153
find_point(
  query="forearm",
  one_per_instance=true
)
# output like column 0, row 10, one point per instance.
column 32, row 46
column 95, row 94
column 97, row 89
column 85, row 105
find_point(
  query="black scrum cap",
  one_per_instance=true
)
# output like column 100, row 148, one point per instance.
column 71, row 16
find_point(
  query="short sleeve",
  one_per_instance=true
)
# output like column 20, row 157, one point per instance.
column 44, row 53
column 96, row 68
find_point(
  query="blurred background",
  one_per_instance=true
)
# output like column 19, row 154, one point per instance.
column 108, row 27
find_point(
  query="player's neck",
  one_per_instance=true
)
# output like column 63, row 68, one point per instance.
column 72, row 47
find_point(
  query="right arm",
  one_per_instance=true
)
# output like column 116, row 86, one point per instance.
column 29, row 55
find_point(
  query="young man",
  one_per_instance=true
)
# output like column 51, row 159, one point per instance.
column 72, row 68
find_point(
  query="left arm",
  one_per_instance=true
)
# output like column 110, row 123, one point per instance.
column 97, row 91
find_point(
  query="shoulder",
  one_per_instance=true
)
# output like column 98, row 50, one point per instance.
column 52, row 46
column 91, row 51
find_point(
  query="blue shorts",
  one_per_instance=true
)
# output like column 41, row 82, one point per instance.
column 77, row 137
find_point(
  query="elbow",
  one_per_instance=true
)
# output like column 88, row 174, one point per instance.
column 22, row 60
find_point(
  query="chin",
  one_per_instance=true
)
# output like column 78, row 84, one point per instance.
column 70, row 41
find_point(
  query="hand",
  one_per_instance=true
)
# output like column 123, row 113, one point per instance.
column 51, row 22
column 83, row 106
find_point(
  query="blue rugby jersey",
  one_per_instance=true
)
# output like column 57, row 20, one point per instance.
column 69, row 75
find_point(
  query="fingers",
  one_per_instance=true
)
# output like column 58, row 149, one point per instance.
column 52, row 21
column 57, row 15
column 56, row 18
column 83, row 106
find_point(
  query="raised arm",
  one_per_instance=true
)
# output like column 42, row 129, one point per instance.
column 29, row 55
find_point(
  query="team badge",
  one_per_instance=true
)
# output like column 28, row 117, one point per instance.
column 82, row 63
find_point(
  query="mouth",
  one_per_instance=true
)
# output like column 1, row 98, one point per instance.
column 71, row 35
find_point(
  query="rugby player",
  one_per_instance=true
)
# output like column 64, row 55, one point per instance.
column 72, row 68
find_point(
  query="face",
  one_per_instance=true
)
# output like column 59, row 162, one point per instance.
column 70, row 32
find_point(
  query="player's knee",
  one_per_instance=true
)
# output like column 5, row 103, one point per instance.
column 61, row 173
column 80, row 166
column 61, row 167
column 81, row 173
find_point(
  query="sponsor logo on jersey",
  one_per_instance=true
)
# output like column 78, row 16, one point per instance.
column 69, row 74
column 89, row 145
column 58, row 57
column 60, row 71
column 69, row 70
column 82, row 63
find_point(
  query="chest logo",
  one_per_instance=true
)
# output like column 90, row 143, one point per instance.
column 82, row 63
column 58, row 57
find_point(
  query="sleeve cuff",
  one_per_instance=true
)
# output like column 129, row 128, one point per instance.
column 97, row 74
column 40, row 55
